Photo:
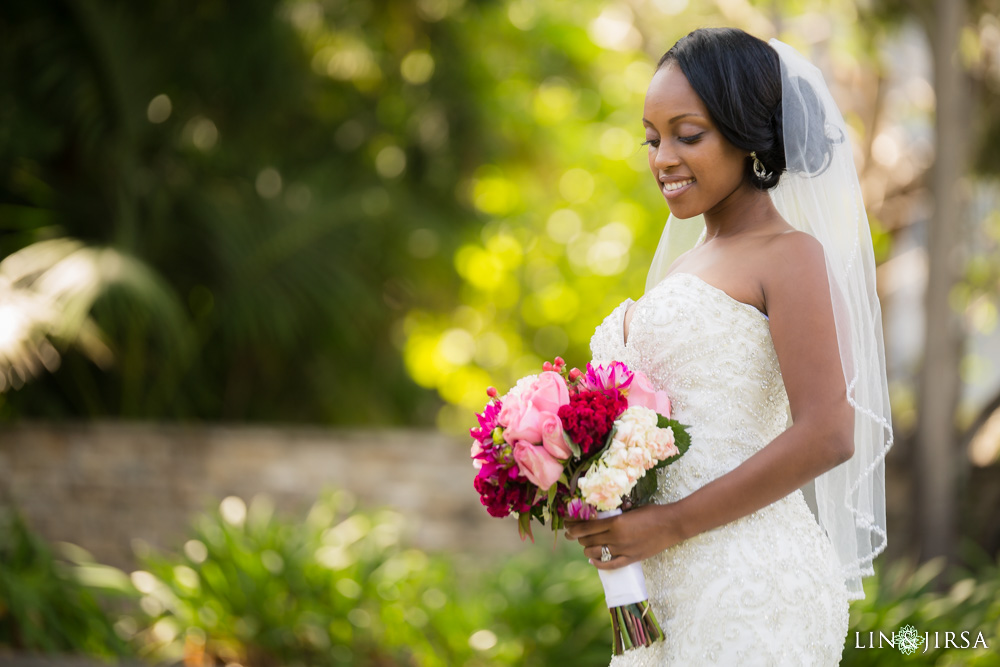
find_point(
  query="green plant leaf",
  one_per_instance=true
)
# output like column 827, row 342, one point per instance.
column 524, row 526
column 575, row 448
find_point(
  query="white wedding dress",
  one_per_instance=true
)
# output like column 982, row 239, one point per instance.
column 765, row 589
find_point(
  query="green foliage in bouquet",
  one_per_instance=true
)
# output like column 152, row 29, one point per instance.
column 43, row 604
column 902, row 594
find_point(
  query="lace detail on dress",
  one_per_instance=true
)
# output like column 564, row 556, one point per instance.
column 764, row 589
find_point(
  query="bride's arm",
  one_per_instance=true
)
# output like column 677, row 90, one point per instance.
column 802, row 328
column 797, row 297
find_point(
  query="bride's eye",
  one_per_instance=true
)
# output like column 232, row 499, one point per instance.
column 691, row 138
column 651, row 142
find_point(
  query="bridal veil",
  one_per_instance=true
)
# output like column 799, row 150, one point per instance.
column 820, row 194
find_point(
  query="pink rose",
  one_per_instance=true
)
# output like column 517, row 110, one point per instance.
column 642, row 392
column 511, row 405
column 552, row 436
column 536, row 464
column 523, row 421
column 548, row 392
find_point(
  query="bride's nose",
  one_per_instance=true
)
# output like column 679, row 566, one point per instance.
column 665, row 157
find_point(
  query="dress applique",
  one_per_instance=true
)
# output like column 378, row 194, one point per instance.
column 762, row 590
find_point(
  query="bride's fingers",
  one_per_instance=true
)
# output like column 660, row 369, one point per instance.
column 593, row 554
column 577, row 529
column 597, row 539
column 613, row 564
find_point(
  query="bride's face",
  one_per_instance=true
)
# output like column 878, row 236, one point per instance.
column 695, row 167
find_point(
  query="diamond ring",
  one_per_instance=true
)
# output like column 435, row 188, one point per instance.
column 605, row 554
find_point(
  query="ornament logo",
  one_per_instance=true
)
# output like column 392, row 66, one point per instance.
column 908, row 640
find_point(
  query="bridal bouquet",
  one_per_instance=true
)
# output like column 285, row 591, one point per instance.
column 564, row 443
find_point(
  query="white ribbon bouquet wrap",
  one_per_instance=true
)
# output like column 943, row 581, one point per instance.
column 624, row 585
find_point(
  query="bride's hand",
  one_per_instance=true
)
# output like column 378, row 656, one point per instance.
column 630, row 537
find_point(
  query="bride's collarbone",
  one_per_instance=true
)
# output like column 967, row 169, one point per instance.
column 736, row 275
column 743, row 288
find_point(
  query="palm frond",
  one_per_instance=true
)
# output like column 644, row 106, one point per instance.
column 47, row 292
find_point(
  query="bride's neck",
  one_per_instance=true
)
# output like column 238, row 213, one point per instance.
column 745, row 210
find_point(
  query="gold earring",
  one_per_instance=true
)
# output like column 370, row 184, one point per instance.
column 758, row 167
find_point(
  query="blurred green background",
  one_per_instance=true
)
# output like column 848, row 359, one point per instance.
column 360, row 213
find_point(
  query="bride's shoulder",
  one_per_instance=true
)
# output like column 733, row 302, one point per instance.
column 793, row 261
column 794, row 250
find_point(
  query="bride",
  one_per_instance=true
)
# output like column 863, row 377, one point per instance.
column 766, row 335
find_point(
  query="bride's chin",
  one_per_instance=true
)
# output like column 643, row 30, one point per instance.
column 683, row 215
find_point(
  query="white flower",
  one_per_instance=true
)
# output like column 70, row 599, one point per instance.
column 662, row 443
column 639, row 415
column 640, row 457
column 604, row 487
column 615, row 457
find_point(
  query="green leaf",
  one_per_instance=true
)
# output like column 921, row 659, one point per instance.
column 575, row 448
column 524, row 526
column 551, row 498
column 644, row 489
column 552, row 494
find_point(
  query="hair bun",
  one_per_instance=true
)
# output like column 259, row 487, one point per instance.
column 812, row 123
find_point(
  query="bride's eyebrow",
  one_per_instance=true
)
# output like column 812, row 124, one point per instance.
column 675, row 118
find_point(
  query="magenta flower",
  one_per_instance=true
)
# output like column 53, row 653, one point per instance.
column 487, row 422
column 615, row 375
column 577, row 509
column 503, row 490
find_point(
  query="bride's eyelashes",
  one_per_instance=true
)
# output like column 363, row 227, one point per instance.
column 690, row 139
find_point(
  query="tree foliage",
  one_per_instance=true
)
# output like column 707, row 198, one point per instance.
column 351, row 211
column 250, row 156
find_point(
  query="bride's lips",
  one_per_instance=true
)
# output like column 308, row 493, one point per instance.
column 672, row 189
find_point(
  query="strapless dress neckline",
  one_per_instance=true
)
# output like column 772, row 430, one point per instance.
column 699, row 283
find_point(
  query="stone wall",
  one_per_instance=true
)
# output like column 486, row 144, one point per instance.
column 103, row 485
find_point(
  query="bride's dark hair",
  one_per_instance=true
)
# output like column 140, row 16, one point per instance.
column 738, row 77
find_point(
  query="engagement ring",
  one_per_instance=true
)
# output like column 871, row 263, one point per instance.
column 605, row 554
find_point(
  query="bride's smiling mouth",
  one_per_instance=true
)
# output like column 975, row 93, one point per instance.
column 671, row 189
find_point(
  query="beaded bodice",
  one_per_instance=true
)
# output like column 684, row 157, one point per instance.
column 714, row 357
